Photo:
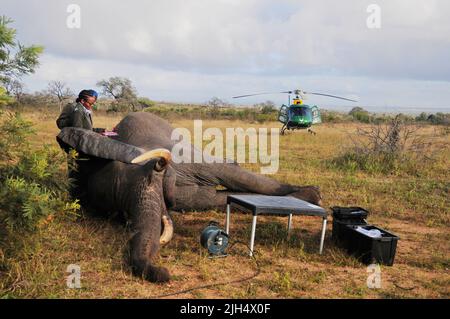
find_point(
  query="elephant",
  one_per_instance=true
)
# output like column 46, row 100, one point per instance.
column 133, row 174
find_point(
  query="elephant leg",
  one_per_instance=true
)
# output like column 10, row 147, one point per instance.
column 207, row 197
column 201, row 198
column 237, row 179
column 310, row 194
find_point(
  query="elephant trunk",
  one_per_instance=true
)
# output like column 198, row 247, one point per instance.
column 149, row 215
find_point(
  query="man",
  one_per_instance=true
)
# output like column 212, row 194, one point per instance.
column 78, row 114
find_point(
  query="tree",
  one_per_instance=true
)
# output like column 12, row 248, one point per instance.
column 214, row 104
column 266, row 107
column 422, row 117
column 357, row 109
column 118, row 88
column 13, row 87
column 145, row 102
column 60, row 91
column 123, row 92
column 15, row 59
column 360, row 114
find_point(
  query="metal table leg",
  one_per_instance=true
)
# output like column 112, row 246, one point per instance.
column 227, row 221
column 322, row 237
column 252, row 237
column 289, row 225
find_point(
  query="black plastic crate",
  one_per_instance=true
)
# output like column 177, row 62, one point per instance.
column 343, row 216
column 349, row 214
column 369, row 249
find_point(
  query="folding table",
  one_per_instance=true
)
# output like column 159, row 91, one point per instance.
column 274, row 205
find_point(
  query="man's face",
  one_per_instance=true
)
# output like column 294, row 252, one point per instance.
column 89, row 101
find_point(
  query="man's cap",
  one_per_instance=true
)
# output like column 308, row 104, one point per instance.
column 85, row 93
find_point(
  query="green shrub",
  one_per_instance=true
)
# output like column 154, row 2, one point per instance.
column 33, row 186
column 145, row 102
column 334, row 117
column 391, row 148
column 13, row 139
column 361, row 115
column 4, row 98
column 439, row 118
column 26, row 205
column 118, row 107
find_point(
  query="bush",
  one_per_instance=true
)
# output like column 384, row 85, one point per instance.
column 360, row 115
column 5, row 99
column 267, row 107
column 39, row 99
column 33, row 186
column 388, row 149
column 439, row 118
column 26, row 205
column 333, row 117
column 145, row 102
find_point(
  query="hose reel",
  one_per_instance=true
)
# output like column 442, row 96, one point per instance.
column 214, row 239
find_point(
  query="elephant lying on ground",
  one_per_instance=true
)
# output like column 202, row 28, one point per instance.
column 132, row 174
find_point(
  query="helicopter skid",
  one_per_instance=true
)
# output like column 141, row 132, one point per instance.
column 294, row 128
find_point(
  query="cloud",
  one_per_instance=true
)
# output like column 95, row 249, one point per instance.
column 207, row 47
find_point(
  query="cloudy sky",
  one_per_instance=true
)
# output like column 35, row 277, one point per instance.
column 191, row 50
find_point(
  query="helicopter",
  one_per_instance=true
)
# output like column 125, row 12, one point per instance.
column 297, row 115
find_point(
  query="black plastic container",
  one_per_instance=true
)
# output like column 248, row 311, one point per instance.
column 368, row 249
column 343, row 216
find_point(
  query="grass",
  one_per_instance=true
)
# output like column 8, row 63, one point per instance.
column 415, row 207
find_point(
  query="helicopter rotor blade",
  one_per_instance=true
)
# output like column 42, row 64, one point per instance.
column 329, row 95
column 297, row 92
column 246, row 95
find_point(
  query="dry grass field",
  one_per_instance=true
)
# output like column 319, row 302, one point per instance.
column 415, row 207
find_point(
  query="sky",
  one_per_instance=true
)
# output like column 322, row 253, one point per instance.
column 189, row 51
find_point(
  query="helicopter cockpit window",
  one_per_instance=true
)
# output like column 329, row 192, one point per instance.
column 301, row 111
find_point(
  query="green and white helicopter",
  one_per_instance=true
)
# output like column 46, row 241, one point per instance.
column 296, row 115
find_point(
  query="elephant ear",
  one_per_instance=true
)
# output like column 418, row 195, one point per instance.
column 94, row 144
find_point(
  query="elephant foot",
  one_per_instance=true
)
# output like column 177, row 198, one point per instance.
column 152, row 273
column 310, row 194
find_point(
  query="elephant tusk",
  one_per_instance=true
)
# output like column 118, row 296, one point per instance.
column 159, row 152
column 167, row 234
